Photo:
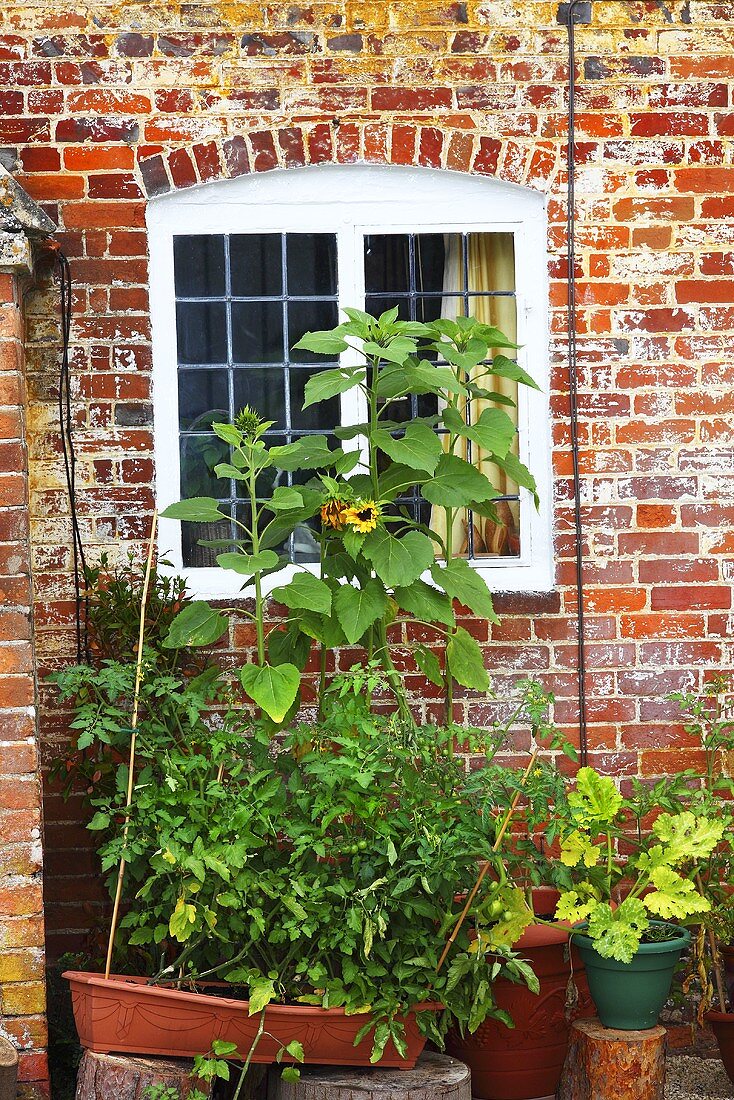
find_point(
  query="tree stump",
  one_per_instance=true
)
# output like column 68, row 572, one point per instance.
column 604, row 1064
column 435, row 1077
column 8, row 1070
column 125, row 1077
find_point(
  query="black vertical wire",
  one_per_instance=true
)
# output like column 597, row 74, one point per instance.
column 66, row 426
column 573, row 376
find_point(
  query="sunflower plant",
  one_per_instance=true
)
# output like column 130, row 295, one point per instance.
column 380, row 568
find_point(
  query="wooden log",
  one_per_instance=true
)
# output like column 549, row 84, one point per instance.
column 604, row 1064
column 8, row 1070
column 125, row 1077
column 435, row 1077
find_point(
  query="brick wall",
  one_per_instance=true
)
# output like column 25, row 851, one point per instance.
column 22, row 994
column 109, row 103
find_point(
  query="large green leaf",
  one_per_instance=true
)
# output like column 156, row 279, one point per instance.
column 358, row 608
column 617, row 933
column 397, row 351
column 288, row 647
column 305, row 590
column 674, row 896
column 426, row 378
column 429, row 665
column 398, row 561
column 596, row 800
column 249, row 564
column 687, row 837
column 283, row 499
column 322, row 628
column 508, row 368
column 195, row 510
column 322, row 343
column 465, row 663
column 310, row 452
column 517, row 471
column 272, row 687
column 462, row 583
column 197, row 624
column 419, row 448
column 494, row 431
column 226, row 469
column 425, row 602
column 329, row 383
column 457, row 483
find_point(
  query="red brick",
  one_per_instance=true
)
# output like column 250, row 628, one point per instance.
column 290, row 141
column 104, row 214
column 320, row 145
column 264, row 155
column 410, row 99
column 114, row 185
column 403, row 144
column 674, row 123
column 686, row 598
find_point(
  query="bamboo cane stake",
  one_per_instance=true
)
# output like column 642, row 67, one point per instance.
column 134, row 726
column 485, row 868
column 715, row 955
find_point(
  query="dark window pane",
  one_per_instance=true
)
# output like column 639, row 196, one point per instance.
column 199, row 267
column 387, row 262
column 315, row 417
column 203, row 557
column 308, row 317
column 257, row 332
column 311, row 259
column 201, row 329
column 202, row 398
column 429, row 309
column 377, row 304
column 430, row 262
column 256, row 265
column 263, row 389
column 199, row 455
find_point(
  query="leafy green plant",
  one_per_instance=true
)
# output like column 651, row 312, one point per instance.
column 659, row 875
column 241, row 861
column 373, row 552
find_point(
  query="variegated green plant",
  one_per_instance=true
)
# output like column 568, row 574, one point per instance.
column 660, row 875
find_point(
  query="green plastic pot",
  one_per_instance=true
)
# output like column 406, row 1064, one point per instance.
column 630, row 996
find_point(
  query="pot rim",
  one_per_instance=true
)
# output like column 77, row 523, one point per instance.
column 140, row 985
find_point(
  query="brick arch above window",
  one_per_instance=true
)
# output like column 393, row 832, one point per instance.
column 531, row 164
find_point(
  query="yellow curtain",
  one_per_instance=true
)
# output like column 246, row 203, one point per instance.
column 491, row 266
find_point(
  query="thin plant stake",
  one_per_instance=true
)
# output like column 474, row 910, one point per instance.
column 485, row 868
column 133, row 726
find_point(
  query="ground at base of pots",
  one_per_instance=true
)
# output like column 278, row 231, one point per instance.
column 689, row 1078
column 126, row 1015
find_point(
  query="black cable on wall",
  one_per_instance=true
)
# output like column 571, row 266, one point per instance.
column 569, row 11
column 66, row 423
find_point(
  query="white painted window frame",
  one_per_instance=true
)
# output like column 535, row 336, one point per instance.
column 352, row 200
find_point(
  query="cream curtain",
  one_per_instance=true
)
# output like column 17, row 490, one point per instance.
column 491, row 266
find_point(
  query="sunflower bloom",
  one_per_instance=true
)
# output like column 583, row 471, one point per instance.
column 332, row 514
column 362, row 516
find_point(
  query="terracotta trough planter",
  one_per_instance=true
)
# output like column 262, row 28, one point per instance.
column 126, row 1015
column 525, row 1062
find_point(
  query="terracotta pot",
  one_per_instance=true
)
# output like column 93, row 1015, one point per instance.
column 722, row 1025
column 126, row 1015
column 525, row 1062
